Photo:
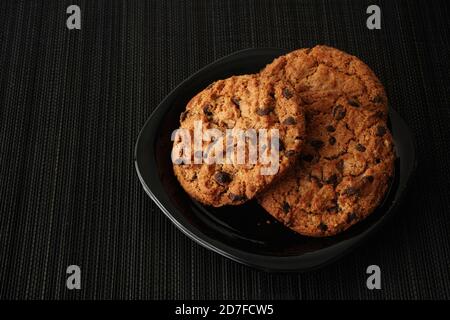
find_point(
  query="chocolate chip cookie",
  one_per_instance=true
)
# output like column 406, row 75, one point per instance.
column 347, row 161
column 248, row 104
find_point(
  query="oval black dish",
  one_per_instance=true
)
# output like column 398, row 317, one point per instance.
column 246, row 233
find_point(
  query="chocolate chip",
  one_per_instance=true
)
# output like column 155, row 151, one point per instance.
column 377, row 160
column 263, row 111
column 236, row 101
column 323, row 227
column 332, row 179
column 381, row 130
column 285, row 207
column 307, row 157
column 368, row 178
column 340, row 165
column 287, row 94
column 350, row 217
column 289, row 153
column 289, row 121
column 333, row 209
column 380, row 114
column 319, row 184
column 222, row 177
column 353, row 102
column 207, row 110
column 350, row 191
column 184, row 115
column 317, row 144
column 339, row 112
column 235, row 197
column 298, row 138
column 378, row 99
column 331, row 129
column 332, row 140
column 198, row 154
column 360, row 147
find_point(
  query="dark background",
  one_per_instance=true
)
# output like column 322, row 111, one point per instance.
column 72, row 104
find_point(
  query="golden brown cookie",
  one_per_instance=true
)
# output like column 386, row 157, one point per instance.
column 348, row 157
column 240, row 103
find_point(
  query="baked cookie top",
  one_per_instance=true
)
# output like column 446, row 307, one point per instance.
column 246, row 104
column 326, row 72
column 348, row 158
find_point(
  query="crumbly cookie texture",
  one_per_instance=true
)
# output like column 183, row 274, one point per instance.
column 348, row 158
column 241, row 102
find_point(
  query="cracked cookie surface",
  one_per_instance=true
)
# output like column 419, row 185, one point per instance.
column 240, row 102
column 348, row 158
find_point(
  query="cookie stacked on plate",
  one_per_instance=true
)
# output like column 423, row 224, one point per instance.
column 336, row 154
column 242, row 105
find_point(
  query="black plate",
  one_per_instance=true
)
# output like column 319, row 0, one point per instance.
column 247, row 233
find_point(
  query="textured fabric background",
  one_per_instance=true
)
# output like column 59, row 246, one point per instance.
column 72, row 104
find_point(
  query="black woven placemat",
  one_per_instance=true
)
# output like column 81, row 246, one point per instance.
column 72, row 104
